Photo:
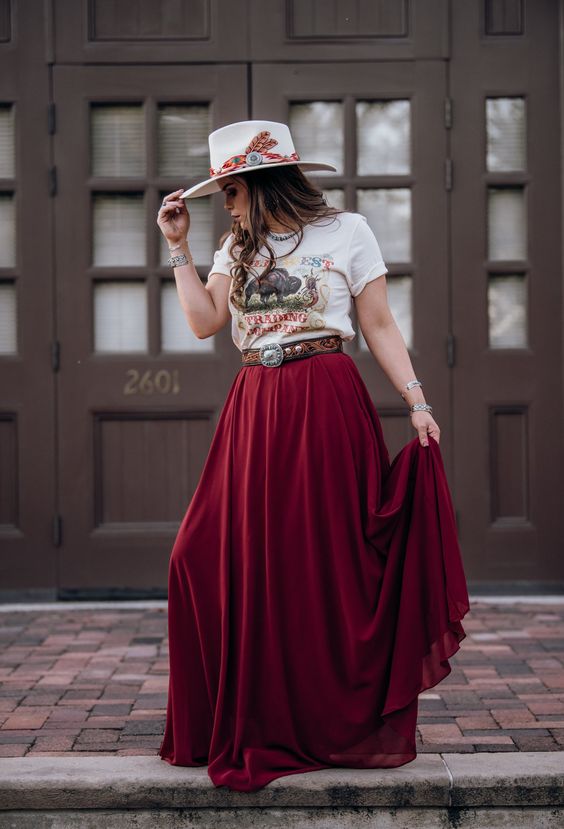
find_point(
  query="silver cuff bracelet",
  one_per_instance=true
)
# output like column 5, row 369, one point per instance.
column 181, row 259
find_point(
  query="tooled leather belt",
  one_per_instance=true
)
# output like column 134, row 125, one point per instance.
column 273, row 354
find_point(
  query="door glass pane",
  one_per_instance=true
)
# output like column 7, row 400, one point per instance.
column 7, row 231
column 507, row 312
column 335, row 198
column 7, row 142
column 182, row 132
column 200, row 234
column 507, row 232
column 119, row 229
column 120, row 316
column 383, row 137
column 176, row 334
column 388, row 212
column 318, row 132
column 117, row 139
column 8, row 339
column 505, row 131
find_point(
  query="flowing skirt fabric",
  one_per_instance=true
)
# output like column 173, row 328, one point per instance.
column 315, row 588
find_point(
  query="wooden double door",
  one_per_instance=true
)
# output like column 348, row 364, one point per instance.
column 451, row 166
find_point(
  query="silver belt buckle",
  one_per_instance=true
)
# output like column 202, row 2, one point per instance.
column 271, row 354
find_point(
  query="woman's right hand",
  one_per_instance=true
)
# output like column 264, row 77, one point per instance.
column 173, row 218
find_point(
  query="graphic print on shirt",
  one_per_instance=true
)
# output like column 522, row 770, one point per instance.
column 290, row 299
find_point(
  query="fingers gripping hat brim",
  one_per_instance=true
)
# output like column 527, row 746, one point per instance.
column 212, row 185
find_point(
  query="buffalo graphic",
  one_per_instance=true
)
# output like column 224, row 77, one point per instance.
column 278, row 283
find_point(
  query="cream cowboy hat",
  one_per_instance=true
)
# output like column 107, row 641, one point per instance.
column 246, row 146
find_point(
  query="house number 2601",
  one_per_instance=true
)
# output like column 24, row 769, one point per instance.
column 149, row 382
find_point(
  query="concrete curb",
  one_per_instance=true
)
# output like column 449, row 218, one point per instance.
column 520, row 779
column 151, row 604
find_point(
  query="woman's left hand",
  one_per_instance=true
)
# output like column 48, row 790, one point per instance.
column 424, row 423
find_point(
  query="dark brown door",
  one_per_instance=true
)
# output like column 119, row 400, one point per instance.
column 139, row 394
column 27, row 388
column 507, row 290
column 382, row 125
column 443, row 118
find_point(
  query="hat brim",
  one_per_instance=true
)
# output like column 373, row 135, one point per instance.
column 212, row 186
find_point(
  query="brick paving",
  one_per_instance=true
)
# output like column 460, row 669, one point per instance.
column 94, row 682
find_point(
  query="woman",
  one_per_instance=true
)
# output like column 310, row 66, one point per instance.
column 315, row 588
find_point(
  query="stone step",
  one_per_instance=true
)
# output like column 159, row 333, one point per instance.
column 481, row 790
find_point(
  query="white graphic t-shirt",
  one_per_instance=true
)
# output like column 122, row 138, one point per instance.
column 308, row 294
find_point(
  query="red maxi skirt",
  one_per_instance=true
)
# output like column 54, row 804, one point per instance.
column 315, row 589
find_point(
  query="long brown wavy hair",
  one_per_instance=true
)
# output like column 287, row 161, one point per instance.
column 280, row 193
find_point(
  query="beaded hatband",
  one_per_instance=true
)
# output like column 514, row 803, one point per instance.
column 256, row 153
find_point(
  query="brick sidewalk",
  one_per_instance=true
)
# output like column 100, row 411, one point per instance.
column 95, row 682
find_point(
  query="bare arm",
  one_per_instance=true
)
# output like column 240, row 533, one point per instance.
column 385, row 341
column 205, row 306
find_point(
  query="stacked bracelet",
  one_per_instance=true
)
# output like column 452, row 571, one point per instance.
column 421, row 407
column 177, row 261
column 410, row 385
column 416, row 407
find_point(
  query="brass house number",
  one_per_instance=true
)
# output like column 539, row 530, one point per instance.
column 149, row 382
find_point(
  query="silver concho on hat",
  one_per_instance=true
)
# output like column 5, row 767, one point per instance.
column 253, row 158
column 271, row 354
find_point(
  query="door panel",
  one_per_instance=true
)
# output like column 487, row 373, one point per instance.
column 383, row 127
column 27, row 388
column 159, row 31
column 507, row 296
column 139, row 394
column 333, row 30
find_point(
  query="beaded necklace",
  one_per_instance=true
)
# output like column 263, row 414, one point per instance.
column 281, row 237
